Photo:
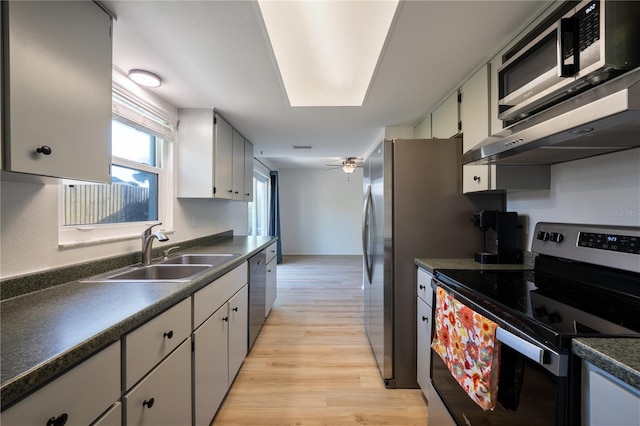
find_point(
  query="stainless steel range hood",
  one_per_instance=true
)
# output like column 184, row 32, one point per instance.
column 601, row 120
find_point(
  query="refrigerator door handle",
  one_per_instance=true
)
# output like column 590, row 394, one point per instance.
column 365, row 233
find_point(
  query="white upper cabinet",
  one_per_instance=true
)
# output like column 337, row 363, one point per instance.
column 423, row 130
column 238, row 166
column 445, row 119
column 212, row 157
column 248, row 171
column 223, row 158
column 477, row 121
column 57, row 90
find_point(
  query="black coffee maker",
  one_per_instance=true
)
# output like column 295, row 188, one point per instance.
column 500, row 237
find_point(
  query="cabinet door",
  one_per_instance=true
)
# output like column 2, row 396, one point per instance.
column 223, row 159
column 238, row 330
column 195, row 171
column 238, row 166
column 445, row 118
column 164, row 396
column 248, row 171
column 58, row 90
column 210, row 365
column 608, row 401
column 474, row 109
column 424, row 344
column 475, row 122
column 75, row 395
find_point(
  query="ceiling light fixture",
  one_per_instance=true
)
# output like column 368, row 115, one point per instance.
column 145, row 78
column 327, row 51
column 348, row 167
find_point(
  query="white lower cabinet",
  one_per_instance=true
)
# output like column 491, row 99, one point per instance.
column 210, row 370
column 238, row 331
column 607, row 400
column 113, row 417
column 163, row 397
column 424, row 325
column 80, row 395
column 220, row 342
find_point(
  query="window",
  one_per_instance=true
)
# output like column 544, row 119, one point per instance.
column 259, row 208
column 140, row 189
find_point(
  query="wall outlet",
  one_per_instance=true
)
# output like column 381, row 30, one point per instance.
column 194, row 220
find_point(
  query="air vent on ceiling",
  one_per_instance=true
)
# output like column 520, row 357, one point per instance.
column 302, row 147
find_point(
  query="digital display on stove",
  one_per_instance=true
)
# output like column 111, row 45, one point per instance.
column 621, row 243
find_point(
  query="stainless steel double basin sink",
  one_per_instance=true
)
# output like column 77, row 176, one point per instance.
column 182, row 268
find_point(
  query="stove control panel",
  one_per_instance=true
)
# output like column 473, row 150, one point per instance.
column 613, row 242
column 607, row 245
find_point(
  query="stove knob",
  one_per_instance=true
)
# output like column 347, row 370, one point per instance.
column 544, row 236
column 557, row 237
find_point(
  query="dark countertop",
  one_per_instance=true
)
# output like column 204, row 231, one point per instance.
column 619, row 357
column 432, row 264
column 45, row 332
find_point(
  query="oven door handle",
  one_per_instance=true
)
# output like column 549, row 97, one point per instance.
column 531, row 351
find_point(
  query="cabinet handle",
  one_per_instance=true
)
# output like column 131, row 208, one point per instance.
column 46, row 150
column 230, row 191
column 422, row 287
column 268, row 270
column 476, row 178
column 58, row 421
column 168, row 335
column 235, row 309
column 148, row 403
column 424, row 318
column 236, row 192
column 248, row 195
column 225, row 319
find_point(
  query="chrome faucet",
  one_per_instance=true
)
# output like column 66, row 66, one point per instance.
column 147, row 241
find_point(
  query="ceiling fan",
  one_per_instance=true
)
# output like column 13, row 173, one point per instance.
column 349, row 165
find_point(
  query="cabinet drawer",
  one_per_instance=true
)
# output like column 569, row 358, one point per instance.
column 210, row 298
column 164, row 396
column 82, row 393
column 271, row 252
column 149, row 344
column 425, row 292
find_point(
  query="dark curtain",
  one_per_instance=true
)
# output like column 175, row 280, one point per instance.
column 274, row 214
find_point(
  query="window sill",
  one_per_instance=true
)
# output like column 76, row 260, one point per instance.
column 91, row 240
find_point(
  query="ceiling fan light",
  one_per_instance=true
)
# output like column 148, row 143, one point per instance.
column 348, row 167
column 145, row 78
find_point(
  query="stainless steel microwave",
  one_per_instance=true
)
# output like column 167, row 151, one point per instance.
column 595, row 41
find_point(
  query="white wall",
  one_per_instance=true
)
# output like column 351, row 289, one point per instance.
column 321, row 212
column 601, row 190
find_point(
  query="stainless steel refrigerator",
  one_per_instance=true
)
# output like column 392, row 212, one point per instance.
column 413, row 208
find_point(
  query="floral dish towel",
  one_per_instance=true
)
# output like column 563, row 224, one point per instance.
column 465, row 340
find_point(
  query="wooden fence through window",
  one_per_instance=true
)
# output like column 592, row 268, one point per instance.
column 93, row 204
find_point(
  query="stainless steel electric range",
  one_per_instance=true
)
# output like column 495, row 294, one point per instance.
column 586, row 282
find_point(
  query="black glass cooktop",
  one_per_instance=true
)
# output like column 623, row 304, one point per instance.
column 549, row 309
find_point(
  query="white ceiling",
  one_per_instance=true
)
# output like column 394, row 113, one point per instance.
column 216, row 54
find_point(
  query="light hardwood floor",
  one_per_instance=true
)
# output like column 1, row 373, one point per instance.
column 312, row 364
